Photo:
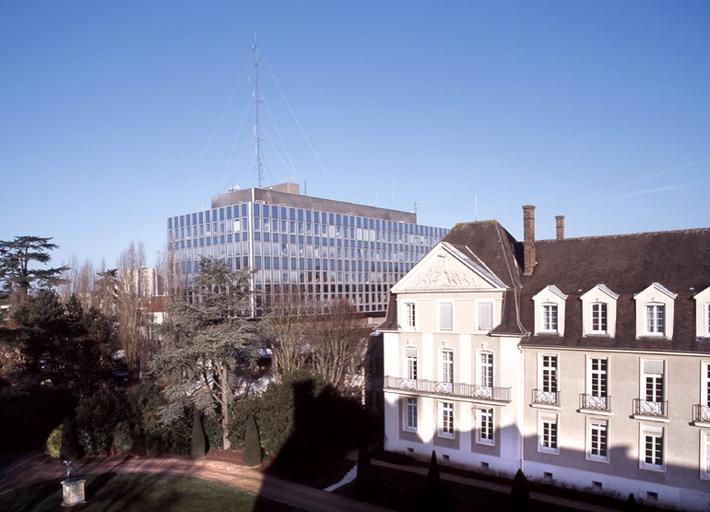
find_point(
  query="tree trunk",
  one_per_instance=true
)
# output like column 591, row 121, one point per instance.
column 226, row 444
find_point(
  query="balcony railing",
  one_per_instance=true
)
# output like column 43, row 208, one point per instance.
column 650, row 408
column 541, row 397
column 453, row 389
column 594, row 403
column 701, row 413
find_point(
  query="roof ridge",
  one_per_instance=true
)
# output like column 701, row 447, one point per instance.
column 633, row 234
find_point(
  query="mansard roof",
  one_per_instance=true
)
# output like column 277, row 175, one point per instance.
column 627, row 264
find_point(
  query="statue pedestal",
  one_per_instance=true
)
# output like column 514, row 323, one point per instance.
column 73, row 492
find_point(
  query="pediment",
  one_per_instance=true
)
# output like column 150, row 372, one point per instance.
column 446, row 268
column 652, row 292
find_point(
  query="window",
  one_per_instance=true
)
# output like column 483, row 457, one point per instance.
column 410, row 415
column 547, row 434
column 485, row 369
column 411, row 317
column 653, row 388
column 411, row 358
column 707, row 319
column 597, row 440
column 599, row 318
column 447, row 366
column 549, row 374
column 705, row 455
column 549, row 317
column 485, row 316
column 651, row 448
column 446, row 419
column 705, row 393
column 598, row 377
column 445, row 316
column 485, row 426
column 655, row 319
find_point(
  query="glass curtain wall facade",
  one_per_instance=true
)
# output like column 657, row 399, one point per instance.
column 325, row 255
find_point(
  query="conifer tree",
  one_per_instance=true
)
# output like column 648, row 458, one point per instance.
column 198, row 446
column 71, row 449
column 363, row 482
column 520, row 492
column 17, row 275
column 252, row 445
column 433, row 493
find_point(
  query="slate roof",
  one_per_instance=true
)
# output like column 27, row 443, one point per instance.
column 627, row 264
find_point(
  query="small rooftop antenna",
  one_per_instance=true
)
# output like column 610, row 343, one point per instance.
column 416, row 204
column 257, row 133
column 475, row 198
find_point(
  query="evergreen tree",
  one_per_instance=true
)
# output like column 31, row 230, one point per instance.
column 363, row 482
column 630, row 505
column 204, row 342
column 16, row 259
column 252, row 445
column 198, row 446
column 520, row 493
column 433, row 493
column 71, row 449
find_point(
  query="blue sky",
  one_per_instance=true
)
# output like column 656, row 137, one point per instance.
column 116, row 115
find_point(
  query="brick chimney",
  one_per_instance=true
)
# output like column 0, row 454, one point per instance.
column 528, row 239
column 560, row 225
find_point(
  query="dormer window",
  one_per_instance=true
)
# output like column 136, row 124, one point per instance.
column 702, row 314
column 654, row 311
column 599, row 311
column 599, row 318
column 549, row 317
column 655, row 319
column 550, row 311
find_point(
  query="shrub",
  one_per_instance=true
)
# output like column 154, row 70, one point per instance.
column 54, row 443
column 151, row 434
column 363, row 481
column 96, row 416
column 252, row 446
column 122, row 437
column 520, row 492
column 71, row 450
column 198, row 446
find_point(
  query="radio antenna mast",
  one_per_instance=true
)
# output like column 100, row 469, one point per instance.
column 257, row 133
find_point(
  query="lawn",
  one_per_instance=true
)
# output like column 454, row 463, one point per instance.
column 401, row 491
column 138, row 492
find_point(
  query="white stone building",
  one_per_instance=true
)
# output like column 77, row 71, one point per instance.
column 583, row 361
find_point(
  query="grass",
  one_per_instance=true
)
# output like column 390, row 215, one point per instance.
column 138, row 492
column 401, row 490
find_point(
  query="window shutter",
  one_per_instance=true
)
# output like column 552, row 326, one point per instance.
column 485, row 315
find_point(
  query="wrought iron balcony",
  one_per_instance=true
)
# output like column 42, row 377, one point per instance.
column 650, row 408
column 594, row 403
column 540, row 397
column 701, row 413
column 453, row 389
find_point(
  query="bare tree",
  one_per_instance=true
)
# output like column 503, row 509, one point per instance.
column 84, row 287
column 131, row 317
column 288, row 325
column 338, row 342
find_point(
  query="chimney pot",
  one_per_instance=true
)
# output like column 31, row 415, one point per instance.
column 528, row 239
column 560, row 226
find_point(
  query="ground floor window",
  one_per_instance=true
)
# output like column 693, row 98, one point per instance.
column 598, row 440
column 411, row 414
column 651, row 448
column 548, row 427
column 484, row 431
column 446, row 419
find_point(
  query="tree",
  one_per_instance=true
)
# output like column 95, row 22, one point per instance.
column 204, row 340
column 433, row 493
column 71, row 449
column 363, row 481
column 252, row 445
column 520, row 492
column 287, row 325
column 198, row 447
column 16, row 270
column 106, row 291
column 131, row 315
column 338, row 341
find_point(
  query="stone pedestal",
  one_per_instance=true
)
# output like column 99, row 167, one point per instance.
column 73, row 492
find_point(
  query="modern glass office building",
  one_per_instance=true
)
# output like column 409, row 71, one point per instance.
column 322, row 248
